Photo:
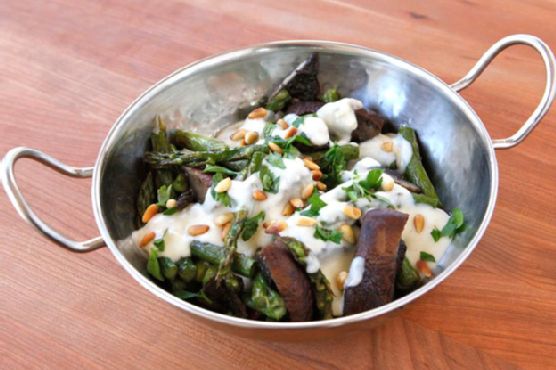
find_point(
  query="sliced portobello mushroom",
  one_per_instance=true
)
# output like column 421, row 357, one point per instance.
column 291, row 281
column 369, row 124
column 300, row 107
column 199, row 182
column 372, row 274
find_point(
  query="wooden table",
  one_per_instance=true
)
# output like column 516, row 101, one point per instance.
column 67, row 70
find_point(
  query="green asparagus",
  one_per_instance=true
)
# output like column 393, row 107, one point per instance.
column 197, row 142
column 278, row 101
column 408, row 277
column 187, row 269
column 161, row 144
column 230, row 243
column 168, row 268
column 415, row 171
column 331, row 95
column 215, row 255
column 266, row 300
column 153, row 267
column 147, row 194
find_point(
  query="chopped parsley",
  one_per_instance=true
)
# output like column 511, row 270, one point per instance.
column 271, row 182
column 455, row 225
column 267, row 130
column 298, row 122
column 364, row 188
column 163, row 194
column 426, row 257
column 159, row 243
column 275, row 160
column 222, row 197
column 287, row 145
column 316, row 204
column 332, row 165
column 250, row 226
column 170, row 211
column 328, row 235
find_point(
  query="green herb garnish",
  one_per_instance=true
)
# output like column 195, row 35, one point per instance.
column 426, row 257
column 316, row 204
column 364, row 188
column 298, row 122
column 275, row 160
column 327, row 234
column 163, row 194
column 250, row 226
column 153, row 267
column 332, row 165
column 455, row 225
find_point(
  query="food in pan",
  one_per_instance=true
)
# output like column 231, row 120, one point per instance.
column 312, row 207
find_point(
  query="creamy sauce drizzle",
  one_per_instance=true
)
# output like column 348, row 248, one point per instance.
column 334, row 121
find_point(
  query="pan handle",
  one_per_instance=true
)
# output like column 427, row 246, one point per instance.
column 20, row 204
column 549, row 90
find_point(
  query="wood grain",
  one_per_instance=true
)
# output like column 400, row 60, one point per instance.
column 67, row 70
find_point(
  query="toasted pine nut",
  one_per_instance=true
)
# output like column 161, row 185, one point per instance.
column 424, row 268
column 288, row 210
column 307, row 191
column 341, row 279
column 257, row 113
column 282, row 123
column 147, row 239
column 223, row 185
column 150, row 212
column 419, row 222
column 265, row 225
column 225, row 230
column 251, row 137
column 243, row 143
column 291, row 132
column 198, row 229
column 306, row 221
column 308, row 162
column 275, row 148
column 387, row 183
column 321, row 186
column 297, row 203
column 238, row 135
column 316, row 175
column 387, row 146
column 352, row 212
column 259, row 195
column 347, row 233
column 276, row 227
column 171, row 203
column 224, row 218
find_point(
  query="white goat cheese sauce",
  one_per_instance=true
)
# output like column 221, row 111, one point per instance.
column 333, row 121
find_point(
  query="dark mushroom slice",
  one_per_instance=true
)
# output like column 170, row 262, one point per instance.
column 199, row 182
column 300, row 107
column 371, row 283
column 369, row 124
column 290, row 280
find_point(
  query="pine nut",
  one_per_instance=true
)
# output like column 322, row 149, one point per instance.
column 424, row 268
column 297, row 203
column 419, row 222
column 291, row 132
column 387, row 183
column 251, row 137
column 147, row 239
column 171, row 203
column 387, row 146
column 238, row 135
column 223, row 185
column 306, row 221
column 288, row 210
column 275, row 148
column 341, row 279
column 150, row 212
column 308, row 191
column 347, row 233
column 352, row 212
column 224, row 218
column 276, row 227
column 308, row 162
column 257, row 113
column 316, row 175
column 259, row 195
column 225, row 230
column 321, row 186
column 198, row 229
column 282, row 123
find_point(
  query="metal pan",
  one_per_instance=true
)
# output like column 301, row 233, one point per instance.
column 208, row 94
